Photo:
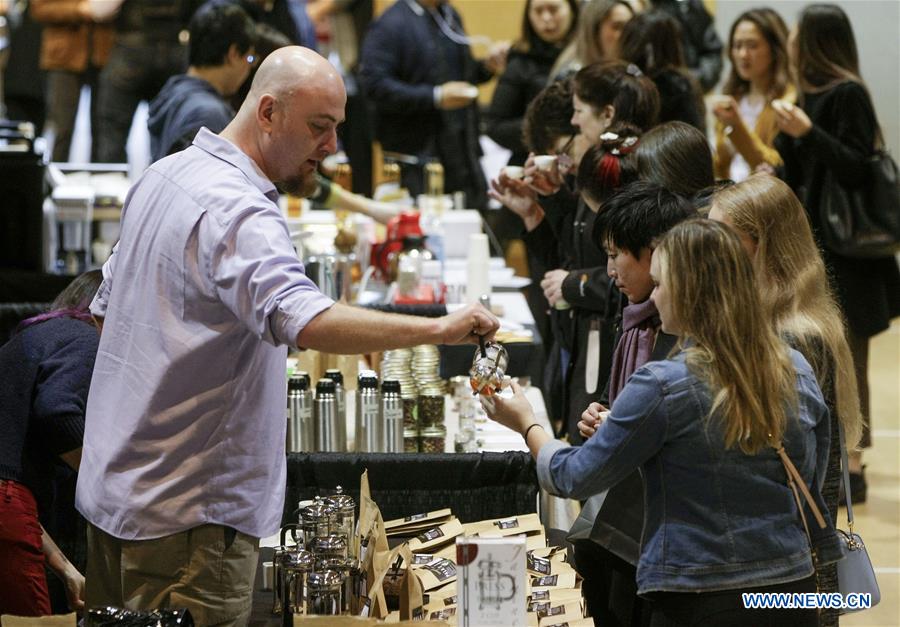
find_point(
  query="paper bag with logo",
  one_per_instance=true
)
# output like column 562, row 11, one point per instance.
column 411, row 594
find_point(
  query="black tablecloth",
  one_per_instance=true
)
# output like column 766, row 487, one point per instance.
column 476, row 486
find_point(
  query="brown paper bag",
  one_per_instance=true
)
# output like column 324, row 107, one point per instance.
column 411, row 595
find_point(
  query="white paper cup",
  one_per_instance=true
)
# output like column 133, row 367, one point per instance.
column 471, row 92
column 545, row 162
column 514, row 171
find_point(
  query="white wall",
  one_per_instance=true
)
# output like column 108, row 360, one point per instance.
column 876, row 24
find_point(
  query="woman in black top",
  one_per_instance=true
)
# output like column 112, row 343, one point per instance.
column 652, row 41
column 45, row 373
column 547, row 26
column 836, row 130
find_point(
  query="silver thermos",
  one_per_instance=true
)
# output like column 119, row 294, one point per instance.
column 391, row 416
column 326, row 413
column 368, row 414
column 338, row 377
column 301, row 429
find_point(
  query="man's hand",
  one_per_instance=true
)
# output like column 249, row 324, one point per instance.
column 464, row 326
column 456, row 95
column 591, row 419
column 552, row 286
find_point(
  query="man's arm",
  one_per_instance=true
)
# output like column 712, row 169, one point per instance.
column 343, row 329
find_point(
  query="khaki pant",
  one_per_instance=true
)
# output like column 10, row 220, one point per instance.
column 208, row 570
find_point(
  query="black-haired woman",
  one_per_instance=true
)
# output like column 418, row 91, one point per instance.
column 45, row 374
column 835, row 131
column 547, row 26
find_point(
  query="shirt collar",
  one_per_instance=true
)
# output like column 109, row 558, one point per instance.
column 218, row 146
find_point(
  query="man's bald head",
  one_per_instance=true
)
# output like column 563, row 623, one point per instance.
column 294, row 70
column 288, row 122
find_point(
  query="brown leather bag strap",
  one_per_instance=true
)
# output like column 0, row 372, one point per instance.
column 796, row 482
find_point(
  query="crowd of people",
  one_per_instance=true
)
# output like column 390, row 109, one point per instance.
column 700, row 333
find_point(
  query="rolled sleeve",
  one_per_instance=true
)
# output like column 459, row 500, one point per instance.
column 545, row 456
column 101, row 298
column 258, row 276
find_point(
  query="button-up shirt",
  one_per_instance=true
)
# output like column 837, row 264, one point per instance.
column 185, row 421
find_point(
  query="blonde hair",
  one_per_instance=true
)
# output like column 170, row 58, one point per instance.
column 793, row 285
column 727, row 339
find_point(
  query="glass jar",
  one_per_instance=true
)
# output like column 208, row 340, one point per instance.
column 431, row 410
column 433, row 440
column 410, row 441
column 410, row 420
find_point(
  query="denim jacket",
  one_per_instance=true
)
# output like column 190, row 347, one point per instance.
column 715, row 519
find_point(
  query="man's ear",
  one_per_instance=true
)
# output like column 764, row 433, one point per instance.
column 265, row 111
column 233, row 55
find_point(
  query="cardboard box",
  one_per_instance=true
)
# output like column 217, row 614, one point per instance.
column 491, row 582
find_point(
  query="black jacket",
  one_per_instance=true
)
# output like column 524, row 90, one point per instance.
column 525, row 76
column 702, row 46
column 843, row 135
column 563, row 240
column 679, row 99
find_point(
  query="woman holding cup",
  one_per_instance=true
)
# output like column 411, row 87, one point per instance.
column 760, row 74
column 720, row 518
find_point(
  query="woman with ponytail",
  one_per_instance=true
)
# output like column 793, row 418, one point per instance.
column 710, row 428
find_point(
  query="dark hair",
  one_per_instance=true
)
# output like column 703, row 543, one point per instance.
column 826, row 48
column 268, row 40
column 638, row 215
column 652, row 41
column 775, row 32
column 703, row 199
column 604, row 167
column 677, row 156
column 214, row 28
column 549, row 117
column 528, row 38
column 633, row 96
column 72, row 302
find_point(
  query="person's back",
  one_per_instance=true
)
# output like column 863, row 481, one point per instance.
column 698, row 492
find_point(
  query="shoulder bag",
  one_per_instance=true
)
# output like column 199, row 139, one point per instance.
column 854, row 569
column 863, row 221
column 855, row 572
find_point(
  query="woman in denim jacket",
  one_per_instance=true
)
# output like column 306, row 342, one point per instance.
column 703, row 426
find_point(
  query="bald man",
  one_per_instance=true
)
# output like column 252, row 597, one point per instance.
column 183, row 466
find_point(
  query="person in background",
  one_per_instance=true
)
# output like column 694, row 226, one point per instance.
column 835, row 130
column 760, row 73
column 793, row 286
column 547, row 26
column 677, row 156
column 720, row 519
column 23, row 83
column 702, row 46
column 150, row 46
column 221, row 55
column 342, row 24
column 183, row 474
column 652, row 41
column 45, row 373
column 600, row 23
column 606, row 96
column 74, row 48
column 629, row 226
column 418, row 71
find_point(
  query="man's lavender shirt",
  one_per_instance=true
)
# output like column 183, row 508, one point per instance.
column 185, row 421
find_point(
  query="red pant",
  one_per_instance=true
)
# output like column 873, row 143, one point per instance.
column 23, row 584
